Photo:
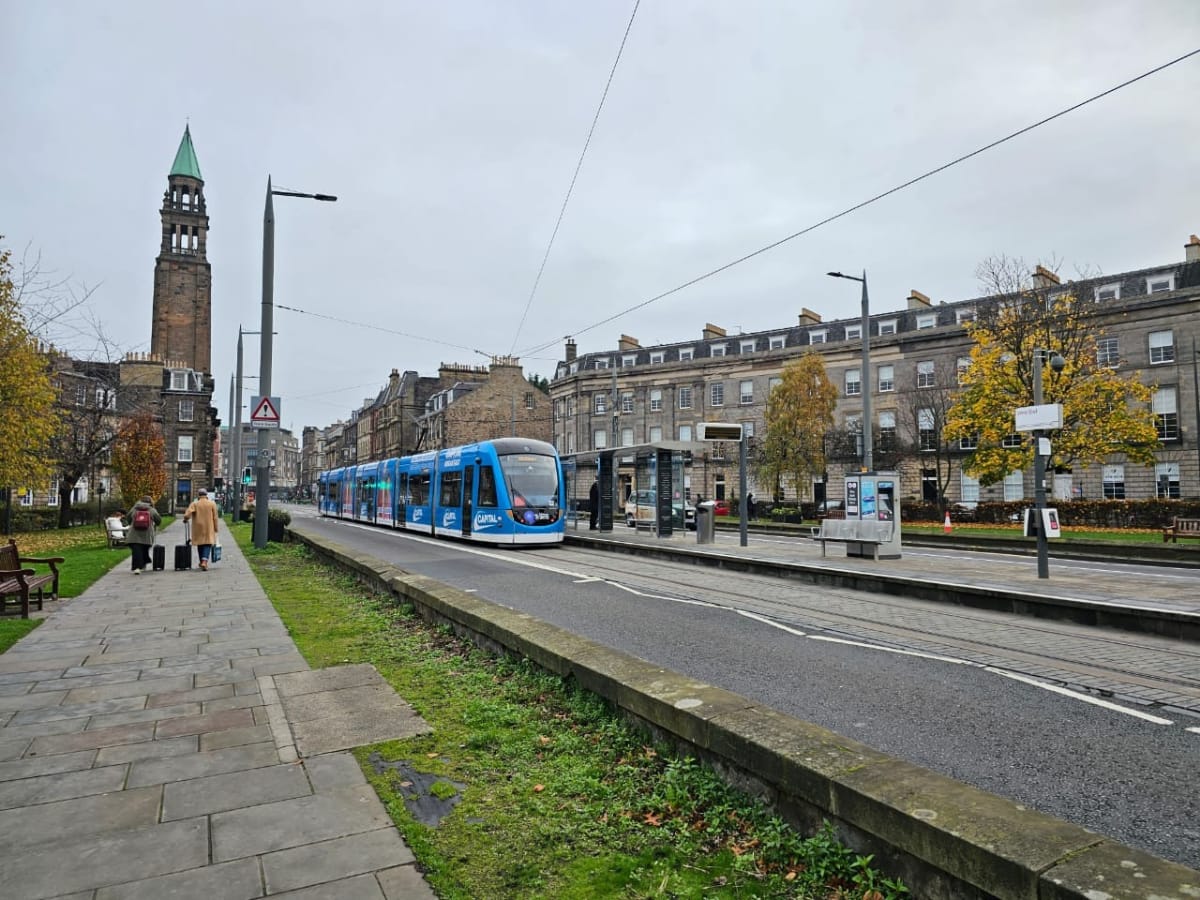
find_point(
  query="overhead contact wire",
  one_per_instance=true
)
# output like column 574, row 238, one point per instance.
column 579, row 165
column 869, row 201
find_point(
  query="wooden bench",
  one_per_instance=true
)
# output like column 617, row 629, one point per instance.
column 1181, row 528
column 25, row 583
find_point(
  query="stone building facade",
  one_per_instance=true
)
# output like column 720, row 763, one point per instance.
column 630, row 395
column 477, row 403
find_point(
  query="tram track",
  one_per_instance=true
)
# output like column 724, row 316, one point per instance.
column 1099, row 662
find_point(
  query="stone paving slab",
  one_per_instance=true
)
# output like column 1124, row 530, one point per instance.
column 139, row 757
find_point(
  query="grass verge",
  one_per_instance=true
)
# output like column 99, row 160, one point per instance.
column 530, row 788
column 12, row 630
column 85, row 550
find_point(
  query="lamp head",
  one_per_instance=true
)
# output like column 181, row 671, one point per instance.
column 1057, row 363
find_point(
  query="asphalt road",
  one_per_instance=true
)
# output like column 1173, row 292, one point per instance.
column 935, row 685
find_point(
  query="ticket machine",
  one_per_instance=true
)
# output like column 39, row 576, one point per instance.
column 873, row 506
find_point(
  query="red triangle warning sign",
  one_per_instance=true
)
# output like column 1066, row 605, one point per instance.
column 265, row 411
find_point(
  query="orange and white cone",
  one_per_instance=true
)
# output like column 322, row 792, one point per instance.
column 946, row 524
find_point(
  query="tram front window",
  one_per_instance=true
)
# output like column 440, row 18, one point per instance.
column 532, row 480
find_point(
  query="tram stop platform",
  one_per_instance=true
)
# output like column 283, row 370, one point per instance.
column 161, row 736
column 1128, row 593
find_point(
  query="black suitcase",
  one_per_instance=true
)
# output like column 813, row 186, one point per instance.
column 183, row 552
column 159, row 561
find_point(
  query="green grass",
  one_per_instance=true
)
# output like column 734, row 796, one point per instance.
column 12, row 630
column 84, row 549
column 1069, row 533
column 546, row 792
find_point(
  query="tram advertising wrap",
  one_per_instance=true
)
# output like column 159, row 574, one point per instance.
column 506, row 491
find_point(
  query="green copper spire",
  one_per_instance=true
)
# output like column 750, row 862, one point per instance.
column 185, row 160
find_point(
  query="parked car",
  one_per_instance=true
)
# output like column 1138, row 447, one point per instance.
column 723, row 508
column 825, row 507
column 641, row 506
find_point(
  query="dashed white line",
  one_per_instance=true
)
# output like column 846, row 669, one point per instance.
column 897, row 650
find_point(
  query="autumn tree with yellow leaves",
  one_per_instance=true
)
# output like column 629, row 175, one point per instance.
column 1105, row 410
column 799, row 413
column 139, row 459
column 28, row 420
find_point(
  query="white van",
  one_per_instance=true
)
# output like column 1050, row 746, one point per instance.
column 640, row 508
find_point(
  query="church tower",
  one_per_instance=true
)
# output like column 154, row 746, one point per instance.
column 182, row 325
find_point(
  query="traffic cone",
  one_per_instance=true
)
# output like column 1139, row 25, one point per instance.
column 946, row 524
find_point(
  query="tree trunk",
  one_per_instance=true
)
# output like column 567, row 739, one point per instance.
column 65, row 490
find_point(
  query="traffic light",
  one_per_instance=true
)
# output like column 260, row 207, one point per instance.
column 246, row 475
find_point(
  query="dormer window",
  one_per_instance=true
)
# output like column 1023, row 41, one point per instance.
column 854, row 332
column 1156, row 284
column 1109, row 291
column 601, row 363
column 778, row 341
column 963, row 316
column 887, row 326
column 818, row 335
column 685, row 354
column 926, row 320
column 717, row 350
column 179, row 379
column 656, row 358
column 746, row 347
column 629, row 359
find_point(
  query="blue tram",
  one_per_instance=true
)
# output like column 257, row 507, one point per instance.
column 506, row 491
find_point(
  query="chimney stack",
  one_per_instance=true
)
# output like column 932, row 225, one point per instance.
column 712, row 331
column 1044, row 278
column 628, row 343
column 572, row 350
column 808, row 317
column 1191, row 250
column 917, row 300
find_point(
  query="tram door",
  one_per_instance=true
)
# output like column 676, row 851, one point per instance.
column 401, row 499
column 468, row 509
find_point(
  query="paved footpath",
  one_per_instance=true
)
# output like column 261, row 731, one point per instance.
column 160, row 736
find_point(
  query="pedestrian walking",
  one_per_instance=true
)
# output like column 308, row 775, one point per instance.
column 202, row 514
column 594, row 498
column 140, row 533
column 749, row 506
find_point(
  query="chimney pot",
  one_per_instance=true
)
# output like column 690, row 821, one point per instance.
column 1191, row 250
column 808, row 317
column 917, row 300
column 712, row 331
column 628, row 343
column 572, row 350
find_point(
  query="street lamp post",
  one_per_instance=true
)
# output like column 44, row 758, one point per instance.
column 868, row 462
column 1039, row 461
column 263, row 485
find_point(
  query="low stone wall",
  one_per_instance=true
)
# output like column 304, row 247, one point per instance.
column 944, row 838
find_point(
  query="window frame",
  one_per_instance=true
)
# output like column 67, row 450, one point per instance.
column 889, row 385
column 684, row 395
column 716, row 394
column 1165, row 352
column 745, row 398
column 179, row 448
column 852, row 386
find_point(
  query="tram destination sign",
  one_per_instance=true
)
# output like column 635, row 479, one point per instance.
column 719, row 431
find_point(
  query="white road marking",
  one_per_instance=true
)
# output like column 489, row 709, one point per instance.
column 1095, row 701
column 934, row 656
column 1193, row 730
column 774, row 624
column 587, row 579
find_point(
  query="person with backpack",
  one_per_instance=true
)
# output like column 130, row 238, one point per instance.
column 202, row 513
column 140, row 534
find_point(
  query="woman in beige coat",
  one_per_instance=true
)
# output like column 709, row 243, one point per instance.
column 202, row 513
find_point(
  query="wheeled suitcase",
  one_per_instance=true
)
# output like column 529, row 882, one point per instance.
column 159, row 558
column 183, row 552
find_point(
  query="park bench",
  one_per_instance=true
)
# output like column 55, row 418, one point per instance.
column 23, row 583
column 1181, row 527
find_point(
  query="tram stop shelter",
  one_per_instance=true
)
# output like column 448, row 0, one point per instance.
column 657, row 473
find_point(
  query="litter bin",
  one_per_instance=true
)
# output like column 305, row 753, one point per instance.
column 705, row 522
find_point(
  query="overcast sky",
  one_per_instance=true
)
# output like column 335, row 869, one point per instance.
column 450, row 131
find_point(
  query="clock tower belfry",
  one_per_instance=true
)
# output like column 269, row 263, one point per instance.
column 182, row 324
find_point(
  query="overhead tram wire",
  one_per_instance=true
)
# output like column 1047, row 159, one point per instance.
column 375, row 327
column 869, row 201
column 579, row 165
